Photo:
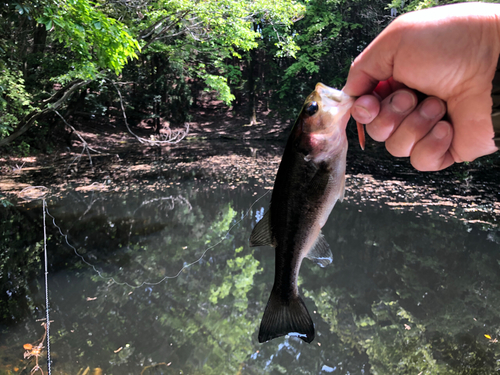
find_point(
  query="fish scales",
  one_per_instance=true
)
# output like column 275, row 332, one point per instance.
column 309, row 181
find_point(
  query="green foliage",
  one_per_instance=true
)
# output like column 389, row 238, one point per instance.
column 219, row 84
column 171, row 51
column 14, row 99
column 20, row 243
column 5, row 202
column 412, row 5
column 328, row 38
column 237, row 282
column 221, row 226
column 403, row 7
column 168, row 52
column 209, row 34
column 23, row 149
column 98, row 41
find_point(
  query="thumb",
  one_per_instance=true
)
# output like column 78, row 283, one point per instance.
column 374, row 64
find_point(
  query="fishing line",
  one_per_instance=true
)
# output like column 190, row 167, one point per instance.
column 38, row 192
column 32, row 193
column 113, row 280
column 47, row 319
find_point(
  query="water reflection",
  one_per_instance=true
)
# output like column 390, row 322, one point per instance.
column 405, row 294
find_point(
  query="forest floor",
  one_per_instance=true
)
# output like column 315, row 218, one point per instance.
column 223, row 148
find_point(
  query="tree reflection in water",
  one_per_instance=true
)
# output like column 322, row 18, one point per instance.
column 405, row 294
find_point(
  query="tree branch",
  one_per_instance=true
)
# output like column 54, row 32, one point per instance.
column 172, row 136
column 86, row 146
column 163, row 30
column 29, row 119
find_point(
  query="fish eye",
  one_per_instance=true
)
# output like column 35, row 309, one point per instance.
column 312, row 108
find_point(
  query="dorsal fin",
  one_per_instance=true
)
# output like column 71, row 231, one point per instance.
column 261, row 234
column 320, row 253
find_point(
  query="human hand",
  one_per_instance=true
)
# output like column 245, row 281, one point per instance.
column 448, row 53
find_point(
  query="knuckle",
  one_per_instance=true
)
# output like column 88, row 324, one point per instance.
column 397, row 149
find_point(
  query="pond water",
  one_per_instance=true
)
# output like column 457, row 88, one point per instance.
column 164, row 282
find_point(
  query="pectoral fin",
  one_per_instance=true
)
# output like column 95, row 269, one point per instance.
column 320, row 253
column 261, row 234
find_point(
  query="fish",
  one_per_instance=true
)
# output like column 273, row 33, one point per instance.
column 309, row 181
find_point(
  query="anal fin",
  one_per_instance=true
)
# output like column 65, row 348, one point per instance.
column 342, row 190
column 320, row 253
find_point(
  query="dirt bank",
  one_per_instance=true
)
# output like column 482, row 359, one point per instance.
column 221, row 148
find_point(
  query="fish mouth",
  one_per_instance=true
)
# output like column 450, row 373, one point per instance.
column 334, row 101
column 339, row 102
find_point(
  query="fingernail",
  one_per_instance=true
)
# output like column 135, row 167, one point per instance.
column 441, row 130
column 362, row 114
column 402, row 101
column 432, row 108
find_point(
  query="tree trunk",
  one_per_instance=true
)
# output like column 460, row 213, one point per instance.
column 252, row 97
column 39, row 39
column 156, row 104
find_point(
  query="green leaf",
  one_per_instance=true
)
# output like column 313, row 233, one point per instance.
column 20, row 9
column 220, row 85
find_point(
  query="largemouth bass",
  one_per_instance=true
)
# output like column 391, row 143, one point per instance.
column 310, row 180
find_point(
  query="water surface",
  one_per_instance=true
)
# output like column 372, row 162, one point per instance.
column 406, row 294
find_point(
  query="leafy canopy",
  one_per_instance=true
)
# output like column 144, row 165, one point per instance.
column 97, row 40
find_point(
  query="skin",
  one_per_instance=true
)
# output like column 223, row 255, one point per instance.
column 449, row 54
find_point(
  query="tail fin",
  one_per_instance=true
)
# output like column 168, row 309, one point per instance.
column 286, row 317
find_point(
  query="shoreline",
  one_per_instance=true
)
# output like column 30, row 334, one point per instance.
column 251, row 155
